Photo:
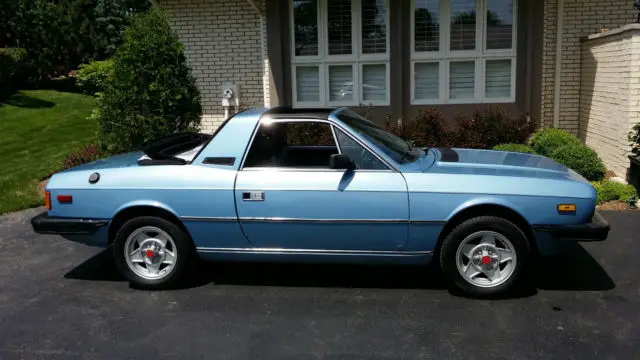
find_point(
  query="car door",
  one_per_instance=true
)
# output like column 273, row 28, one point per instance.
column 288, row 197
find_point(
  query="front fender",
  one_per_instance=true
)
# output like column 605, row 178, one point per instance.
column 486, row 201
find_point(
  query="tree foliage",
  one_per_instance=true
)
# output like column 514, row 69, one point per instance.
column 91, row 77
column 12, row 71
column 60, row 35
column 149, row 92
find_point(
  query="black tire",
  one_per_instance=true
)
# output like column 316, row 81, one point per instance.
column 184, row 247
column 449, row 248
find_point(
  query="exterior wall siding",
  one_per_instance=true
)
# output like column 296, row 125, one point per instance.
column 610, row 95
column 225, row 42
column 580, row 19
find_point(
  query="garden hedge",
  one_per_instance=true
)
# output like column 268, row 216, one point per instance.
column 611, row 190
column 522, row 148
column 484, row 129
column 92, row 77
column 547, row 141
column 581, row 159
column 12, row 69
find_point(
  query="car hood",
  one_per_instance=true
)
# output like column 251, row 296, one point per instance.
column 114, row 162
column 501, row 163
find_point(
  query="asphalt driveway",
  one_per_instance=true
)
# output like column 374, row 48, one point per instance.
column 64, row 300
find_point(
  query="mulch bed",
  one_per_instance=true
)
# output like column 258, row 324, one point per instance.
column 615, row 205
column 41, row 185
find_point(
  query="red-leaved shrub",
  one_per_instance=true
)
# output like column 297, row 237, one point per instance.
column 428, row 128
column 85, row 154
column 483, row 130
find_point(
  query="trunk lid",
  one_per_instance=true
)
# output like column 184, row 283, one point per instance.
column 114, row 162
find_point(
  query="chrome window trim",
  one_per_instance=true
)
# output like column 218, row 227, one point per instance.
column 246, row 150
column 290, row 169
column 390, row 163
column 391, row 167
column 275, row 251
column 335, row 138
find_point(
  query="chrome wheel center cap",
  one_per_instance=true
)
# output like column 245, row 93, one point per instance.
column 485, row 257
column 152, row 251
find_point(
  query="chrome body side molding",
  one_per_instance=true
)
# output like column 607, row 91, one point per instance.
column 289, row 220
column 277, row 251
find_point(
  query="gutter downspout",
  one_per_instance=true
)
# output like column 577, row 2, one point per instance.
column 263, row 52
column 558, row 69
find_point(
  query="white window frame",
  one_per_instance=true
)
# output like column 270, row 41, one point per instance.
column 444, row 56
column 357, row 58
column 387, row 99
column 354, row 79
column 322, row 90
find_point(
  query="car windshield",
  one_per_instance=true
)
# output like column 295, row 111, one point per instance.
column 395, row 147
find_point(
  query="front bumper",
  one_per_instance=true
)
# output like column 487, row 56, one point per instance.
column 596, row 230
column 45, row 224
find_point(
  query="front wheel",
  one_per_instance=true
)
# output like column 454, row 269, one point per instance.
column 485, row 256
column 152, row 252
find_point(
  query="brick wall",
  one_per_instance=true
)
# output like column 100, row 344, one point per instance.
column 580, row 18
column 225, row 41
column 610, row 94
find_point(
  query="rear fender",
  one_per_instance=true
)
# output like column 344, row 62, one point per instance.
column 150, row 203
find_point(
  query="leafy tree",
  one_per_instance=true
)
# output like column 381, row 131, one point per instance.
column 60, row 35
column 425, row 26
column 306, row 27
column 149, row 93
column 469, row 18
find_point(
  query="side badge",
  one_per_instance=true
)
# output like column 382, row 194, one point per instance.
column 94, row 178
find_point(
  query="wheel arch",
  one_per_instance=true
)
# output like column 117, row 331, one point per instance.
column 498, row 209
column 133, row 210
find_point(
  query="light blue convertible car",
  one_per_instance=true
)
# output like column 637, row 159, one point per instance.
column 325, row 186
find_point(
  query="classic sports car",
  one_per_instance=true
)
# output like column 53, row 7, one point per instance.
column 321, row 185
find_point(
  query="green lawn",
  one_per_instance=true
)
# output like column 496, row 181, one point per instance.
column 38, row 129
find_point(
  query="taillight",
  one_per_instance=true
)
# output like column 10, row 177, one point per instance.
column 47, row 199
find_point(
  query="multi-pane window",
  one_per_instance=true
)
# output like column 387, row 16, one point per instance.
column 463, row 51
column 341, row 52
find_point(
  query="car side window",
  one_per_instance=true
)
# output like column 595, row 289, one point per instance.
column 362, row 157
column 292, row 145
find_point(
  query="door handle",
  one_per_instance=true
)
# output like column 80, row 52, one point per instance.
column 253, row 196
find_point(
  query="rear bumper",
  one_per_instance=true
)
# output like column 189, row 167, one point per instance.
column 45, row 224
column 596, row 230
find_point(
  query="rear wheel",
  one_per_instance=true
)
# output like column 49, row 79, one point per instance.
column 485, row 256
column 152, row 252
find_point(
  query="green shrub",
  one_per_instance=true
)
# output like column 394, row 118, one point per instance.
column 545, row 142
column 12, row 69
column 150, row 91
column 582, row 159
column 91, row 77
column 522, row 148
column 634, row 140
column 611, row 190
